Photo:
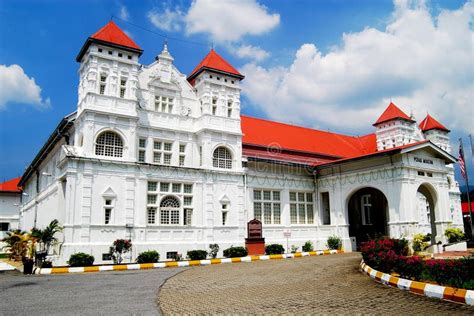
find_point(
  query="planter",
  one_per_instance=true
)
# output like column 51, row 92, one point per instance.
column 28, row 266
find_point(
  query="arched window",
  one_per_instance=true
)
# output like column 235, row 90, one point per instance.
column 169, row 211
column 109, row 144
column 222, row 158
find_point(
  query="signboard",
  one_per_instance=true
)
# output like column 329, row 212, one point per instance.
column 287, row 234
column 254, row 229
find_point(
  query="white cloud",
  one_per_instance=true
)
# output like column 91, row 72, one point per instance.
column 169, row 20
column 17, row 87
column 124, row 15
column 251, row 52
column 423, row 62
column 229, row 20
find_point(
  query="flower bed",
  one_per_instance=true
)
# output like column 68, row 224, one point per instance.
column 390, row 256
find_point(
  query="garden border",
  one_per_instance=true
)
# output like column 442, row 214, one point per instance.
column 187, row 263
column 426, row 289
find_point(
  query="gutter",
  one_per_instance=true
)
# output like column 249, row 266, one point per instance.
column 59, row 132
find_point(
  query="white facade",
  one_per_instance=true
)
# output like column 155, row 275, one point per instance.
column 9, row 212
column 148, row 156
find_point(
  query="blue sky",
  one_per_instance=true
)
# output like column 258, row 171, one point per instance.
column 413, row 52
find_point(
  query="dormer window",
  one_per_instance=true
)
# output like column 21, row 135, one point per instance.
column 123, row 85
column 164, row 104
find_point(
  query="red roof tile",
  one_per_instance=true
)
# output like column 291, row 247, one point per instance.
column 276, row 135
column 10, row 185
column 465, row 207
column 111, row 33
column 430, row 123
column 392, row 112
column 216, row 62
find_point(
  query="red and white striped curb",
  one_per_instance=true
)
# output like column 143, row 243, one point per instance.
column 431, row 290
column 190, row 263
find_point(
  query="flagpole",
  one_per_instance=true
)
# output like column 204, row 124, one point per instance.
column 466, row 179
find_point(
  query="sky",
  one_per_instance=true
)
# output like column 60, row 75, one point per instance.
column 327, row 64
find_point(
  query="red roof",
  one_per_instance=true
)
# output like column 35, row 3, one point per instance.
column 10, row 185
column 215, row 62
column 280, row 136
column 465, row 207
column 430, row 123
column 392, row 112
column 111, row 33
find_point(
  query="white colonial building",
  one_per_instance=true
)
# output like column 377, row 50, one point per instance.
column 168, row 161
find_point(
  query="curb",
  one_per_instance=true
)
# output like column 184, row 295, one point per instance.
column 190, row 263
column 426, row 289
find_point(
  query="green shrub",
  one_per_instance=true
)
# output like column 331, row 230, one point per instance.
column 234, row 252
column 308, row 246
column 334, row 242
column 419, row 242
column 294, row 248
column 213, row 250
column 197, row 254
column 274, row 249
column 149, row 256
column 454, row 234
column 80, row 259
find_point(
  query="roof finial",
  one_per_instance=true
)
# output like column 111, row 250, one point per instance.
column 165, row 54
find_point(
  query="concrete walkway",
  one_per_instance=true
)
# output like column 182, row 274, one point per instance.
column 310, row 285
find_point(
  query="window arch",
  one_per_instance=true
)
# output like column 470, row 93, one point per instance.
column 109, row 144
column 222, row 158
column 169, row 211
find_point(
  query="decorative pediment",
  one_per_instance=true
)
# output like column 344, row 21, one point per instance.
column 224, row 199
column 109, row 193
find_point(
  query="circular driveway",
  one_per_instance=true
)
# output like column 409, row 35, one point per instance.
column 310, row 285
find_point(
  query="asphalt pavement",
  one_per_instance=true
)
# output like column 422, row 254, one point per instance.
column 104, row 293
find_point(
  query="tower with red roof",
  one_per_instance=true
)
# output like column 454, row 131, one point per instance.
column 108, row 68
column 394, row 128
column 436, row 132
column 217, row 85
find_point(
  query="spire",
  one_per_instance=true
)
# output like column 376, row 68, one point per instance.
column 165, row 54
column 430, row 123
column 110, row 35
column 214, row 62
column 392, row 112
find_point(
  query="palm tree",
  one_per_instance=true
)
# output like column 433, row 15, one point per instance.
column 46, row 236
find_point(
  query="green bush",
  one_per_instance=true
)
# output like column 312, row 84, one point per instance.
column 197, row 254
column 213, row 250
column 234, row 252
column 294, row 248
column 274, row 249
column 334, row 242
column 419, row 242
column 308, row 246
column 454, row 234
column 149, row 256
column 80, row 259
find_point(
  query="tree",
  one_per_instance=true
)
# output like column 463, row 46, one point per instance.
column 119, row 247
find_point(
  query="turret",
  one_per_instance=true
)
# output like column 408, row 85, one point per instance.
column 109, row 68
column 217, row 86
column 436, row 132
column 394, row 128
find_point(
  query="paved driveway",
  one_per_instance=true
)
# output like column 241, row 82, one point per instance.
column 104, row 293
column 311, row 285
